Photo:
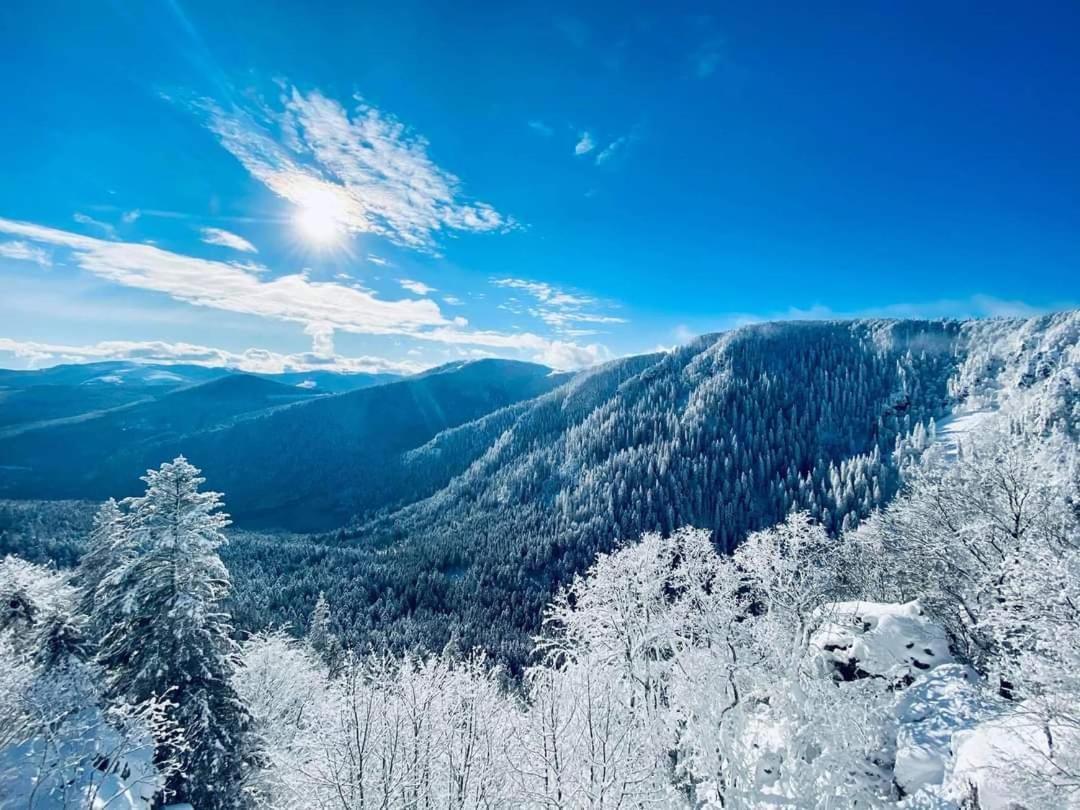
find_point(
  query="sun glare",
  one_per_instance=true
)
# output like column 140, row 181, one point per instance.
column 320, row 218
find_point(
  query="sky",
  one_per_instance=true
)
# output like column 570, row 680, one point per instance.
column 391, row 186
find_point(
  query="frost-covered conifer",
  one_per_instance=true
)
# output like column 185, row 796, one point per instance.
column 104, row 555
column 172, row 637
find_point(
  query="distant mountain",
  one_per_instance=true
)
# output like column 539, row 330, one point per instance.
column 74, row 390
column 110, row 374
column 331, row 382
column 64, row 456
column 286, row 455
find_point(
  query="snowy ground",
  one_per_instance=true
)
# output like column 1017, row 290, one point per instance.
column 954, row 429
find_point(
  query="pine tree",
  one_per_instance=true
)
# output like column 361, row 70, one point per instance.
column 104, row 556
column 319, row 630
column 172, row 637
column 320, row 637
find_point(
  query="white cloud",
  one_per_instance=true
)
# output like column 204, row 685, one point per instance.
column 584, row 145
column 683, row 334
column 418, row 287
column 366, row 168
column 615, row 149
column 377, row 260
column 541, row 128
column 24, row 251
column 104, row 227
column 219, row 236
column 453, row 300
column 322, row 339
column 234, row 287
column 562, row 355
column 129, row 217
column 36, row 355
column 557, row 308
column 243, row 288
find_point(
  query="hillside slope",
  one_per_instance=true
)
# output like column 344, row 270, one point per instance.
column 729, row 434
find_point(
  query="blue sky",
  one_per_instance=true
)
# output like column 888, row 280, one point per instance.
column 392, row 186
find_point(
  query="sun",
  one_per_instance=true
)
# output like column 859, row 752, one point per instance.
column 320, row 217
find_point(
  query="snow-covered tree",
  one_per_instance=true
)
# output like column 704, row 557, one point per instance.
column 172, row 636
column 105, row 553
column 320, row 635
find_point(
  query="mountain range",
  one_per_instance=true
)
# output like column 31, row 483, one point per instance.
column 450, row 505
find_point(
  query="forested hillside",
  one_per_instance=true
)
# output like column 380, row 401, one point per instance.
column 342, row 450
column 727, row 434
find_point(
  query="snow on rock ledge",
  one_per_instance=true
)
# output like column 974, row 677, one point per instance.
column 944, row 702
column 871, row 639
column 1008, row 761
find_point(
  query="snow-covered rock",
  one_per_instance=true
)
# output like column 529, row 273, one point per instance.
column 872, row 639
column 944, row 701
column 1013, row 760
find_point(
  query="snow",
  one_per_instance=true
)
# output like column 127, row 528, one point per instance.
column 878, row 639
column 60, row 773
column 1008, row 757
column 940, row 703
column 947, row 726
column 953, row 430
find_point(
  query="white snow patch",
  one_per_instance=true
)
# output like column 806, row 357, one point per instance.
column 953, row 430
column 1009, row 758
column 878, row 639
column 944, row 701
column 163, row 376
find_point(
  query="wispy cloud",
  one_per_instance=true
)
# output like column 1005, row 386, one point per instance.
column 85, row 219
column 219, row 236
column 366, row 169
column 616, row 149
column 453, row 301
column 37, row 355
column 245, row 288
column 24, row 251
column 560, row 310
column 377, row 260
column 585, row 144
column 418, row 287
column 541, row 128
column 232, row 286
column 130, row 217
